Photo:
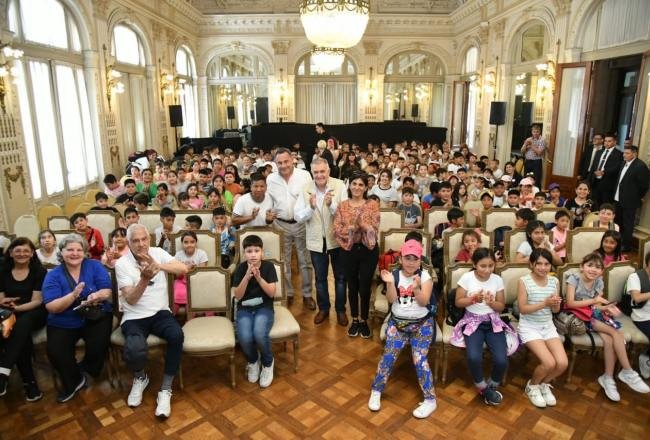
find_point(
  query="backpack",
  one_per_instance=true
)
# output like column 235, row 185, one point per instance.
column 454, row 314
column 568, row 324
column 432, row 306
column 627, row 304
column 387, row 259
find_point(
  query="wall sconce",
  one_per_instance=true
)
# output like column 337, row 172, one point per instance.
column 170, row 84
column 113, row 83
column 421, row 92
column 7, row 56
column 281, row 88
column 547, row 81
column 371, row 88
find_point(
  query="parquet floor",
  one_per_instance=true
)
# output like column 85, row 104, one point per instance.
column 326, row 399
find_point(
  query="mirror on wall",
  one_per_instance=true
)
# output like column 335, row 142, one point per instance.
column 532, row 43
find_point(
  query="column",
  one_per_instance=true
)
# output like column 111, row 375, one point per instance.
column 202, row 89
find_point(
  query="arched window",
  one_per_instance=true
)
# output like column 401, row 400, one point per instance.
column 329, row 98
column 185, row 73
column 237, row 80
column 415, row 78
column 133, row 105
column 62, row 153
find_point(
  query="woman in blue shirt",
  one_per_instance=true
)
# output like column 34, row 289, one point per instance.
column 78, row 281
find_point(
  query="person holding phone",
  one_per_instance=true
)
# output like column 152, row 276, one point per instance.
column 21, row 281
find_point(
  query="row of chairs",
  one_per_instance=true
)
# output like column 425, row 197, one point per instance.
column 615, row 277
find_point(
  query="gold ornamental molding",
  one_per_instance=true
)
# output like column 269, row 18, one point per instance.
column 13, row 178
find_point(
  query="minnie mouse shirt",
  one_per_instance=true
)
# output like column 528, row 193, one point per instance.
column 406, row 307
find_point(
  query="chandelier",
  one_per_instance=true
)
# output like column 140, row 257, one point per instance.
column 333, row 26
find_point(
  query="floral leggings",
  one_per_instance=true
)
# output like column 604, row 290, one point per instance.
column 419, row 336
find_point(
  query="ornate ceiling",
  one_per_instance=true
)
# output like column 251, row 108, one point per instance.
column 291, row 6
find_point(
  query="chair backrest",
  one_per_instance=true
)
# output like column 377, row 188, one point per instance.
column 89, row 197
column 453, row 241
column 104, row 221
column 390, row 218
column 272, row 238
column 5, row 240
column 58, row 235
column 644, row 248
column 497, row 217
column 615, row 277
column 208, row 290
column 511, row 273
column 207, row 241
column 205, row 214
column 84, row 207
column 547, row 215
column 120, row 208
column 280, row 291
column 563, row 273
column 470, row 219
column 150, row 219
column 455, row 272
column 511, row 241
column 433, row 217
column 58, row 223
column 394, row 239
column 582, row 241
column 589, row 219
column 27, row 226
column 70, row 205
column 47, row 211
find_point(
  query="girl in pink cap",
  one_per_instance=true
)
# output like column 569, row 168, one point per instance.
column 408, row 290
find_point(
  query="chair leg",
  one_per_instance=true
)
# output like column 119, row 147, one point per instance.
column 295, row 355
column 445, row 355
column 180, row 375
column 572, row 363
column 232, row 369
column 436, row 361
column 116, row 361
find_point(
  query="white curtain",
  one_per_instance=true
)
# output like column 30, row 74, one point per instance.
column 330, row 103
column 188, row 102
column 134, row 112
column 570, row 108
column 623, row 22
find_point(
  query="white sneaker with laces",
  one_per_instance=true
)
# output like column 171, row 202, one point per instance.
column 266, row 376
column 135, row 396
column 425, row 409
column 253, row 371
column 534, row 393
column 634, row 381
column 547, row 394
column 609, row 385
column 164, row 401
column 644, row 365
column 374, row 403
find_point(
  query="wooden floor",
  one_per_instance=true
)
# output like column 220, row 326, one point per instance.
column 326, row 398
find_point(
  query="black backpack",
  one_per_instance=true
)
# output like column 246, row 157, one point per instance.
column 454, row 314
column 627, row 304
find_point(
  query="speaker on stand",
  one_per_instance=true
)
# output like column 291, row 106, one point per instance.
column 176, row 120
column 415, row 113
column 497, row 117
column 231, row 115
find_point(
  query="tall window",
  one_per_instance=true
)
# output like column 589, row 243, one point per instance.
column 185, row 73
column 415, row 78
column 133, row 104
column 54, row 104
column 470, row 67
column 330, row 98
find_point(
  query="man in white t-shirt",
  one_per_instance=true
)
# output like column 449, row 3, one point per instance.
column 142, row 283
column 256, row 207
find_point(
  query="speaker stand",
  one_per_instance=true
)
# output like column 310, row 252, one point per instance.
column 178, row 139
column 496, row 137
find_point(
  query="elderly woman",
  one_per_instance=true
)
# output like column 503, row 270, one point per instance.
column 77, row 296
column 20, row 290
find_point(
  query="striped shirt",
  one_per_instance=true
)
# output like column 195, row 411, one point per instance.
column 537, row 294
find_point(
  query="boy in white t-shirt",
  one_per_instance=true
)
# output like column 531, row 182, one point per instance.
column 410, row 322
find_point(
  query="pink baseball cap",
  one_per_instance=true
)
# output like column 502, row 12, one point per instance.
column 411, row 247
column 526, row 181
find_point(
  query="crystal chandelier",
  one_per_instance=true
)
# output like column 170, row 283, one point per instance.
column 333, row 26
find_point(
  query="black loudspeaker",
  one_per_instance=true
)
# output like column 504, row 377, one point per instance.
column 526, row 114
column 497, row 113
column 414, row 111
column 395, row 115
column 231, row 112
column 262, row 110
column 175, row 116
column 252, row 114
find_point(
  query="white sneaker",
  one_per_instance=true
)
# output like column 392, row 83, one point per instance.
column 425, row 409
column 634, row 381
column 609, row 385
column 253, row 371
column 547, row 394
column 644, row 365
column 164, row 401
column 374, row 403
column 135, row 396
column 534, row 393
column 266, row 376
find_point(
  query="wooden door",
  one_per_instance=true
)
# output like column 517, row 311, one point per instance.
column 568, row 133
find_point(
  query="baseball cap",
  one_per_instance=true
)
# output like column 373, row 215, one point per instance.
column 411, row 247
column 554, row 186
column 526, row 181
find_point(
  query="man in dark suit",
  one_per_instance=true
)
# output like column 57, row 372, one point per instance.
column 589, row 156
column 604, row 171
column 632, row 184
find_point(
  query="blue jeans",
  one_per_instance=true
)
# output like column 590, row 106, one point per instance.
column 496, row 342
column 320, row 261
column 253, row 328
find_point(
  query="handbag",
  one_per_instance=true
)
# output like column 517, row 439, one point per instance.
column 7, row 321
column 90, row 312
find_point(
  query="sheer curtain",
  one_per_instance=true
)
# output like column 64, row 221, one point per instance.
column 188, row 102
column 330, row 103
column 134, row 112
